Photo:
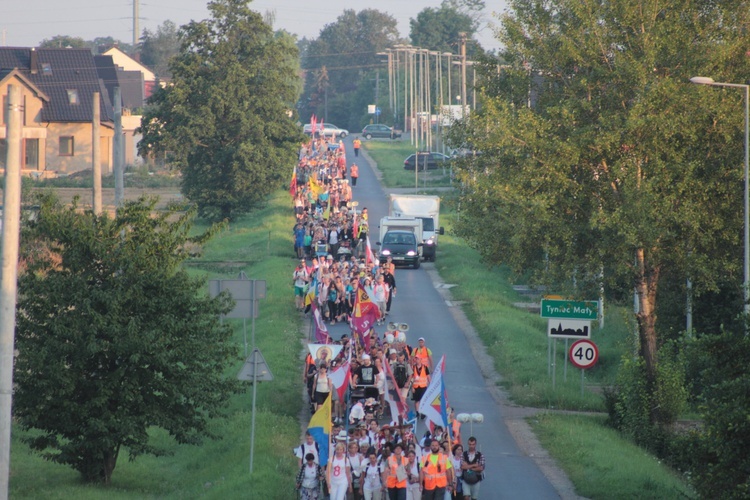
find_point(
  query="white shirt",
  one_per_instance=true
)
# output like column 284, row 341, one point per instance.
column 338, row 470
column 371, row 474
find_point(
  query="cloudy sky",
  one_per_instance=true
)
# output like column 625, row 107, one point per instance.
column 25, row 23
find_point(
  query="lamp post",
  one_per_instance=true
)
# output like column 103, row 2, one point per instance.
column 703, row 80
column 470, row 418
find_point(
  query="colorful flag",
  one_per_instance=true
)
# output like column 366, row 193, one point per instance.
column 331, row 351
column 365, row 313
column 320, row 429
column 434, row 404
column 340, row 377
column 293, row 183
column 321, row 331
column 315, row 186
column 398, row 405
column 370, row 257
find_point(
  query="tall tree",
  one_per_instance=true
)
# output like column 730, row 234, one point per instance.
column 159, row 47
column 62, row 42
column 114, row 337
column 439, row 28
column 227, row 116
column 601, row 163
column 348, row 49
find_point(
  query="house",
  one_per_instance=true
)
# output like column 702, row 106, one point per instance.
column 127, row 63
column 58, row 87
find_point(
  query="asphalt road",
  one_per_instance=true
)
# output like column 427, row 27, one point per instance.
column 509, row 473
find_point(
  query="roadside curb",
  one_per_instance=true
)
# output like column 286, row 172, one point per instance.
column 514, row 416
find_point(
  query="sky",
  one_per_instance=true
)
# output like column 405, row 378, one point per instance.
column 26, row 23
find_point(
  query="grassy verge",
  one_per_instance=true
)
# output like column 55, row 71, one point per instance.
column 219, row 468
column 602, row 464
column 390, row 156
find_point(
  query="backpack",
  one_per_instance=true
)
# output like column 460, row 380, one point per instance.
column 400, row 374
column 469, row 476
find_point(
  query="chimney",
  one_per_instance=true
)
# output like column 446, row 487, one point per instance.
column 34, row 63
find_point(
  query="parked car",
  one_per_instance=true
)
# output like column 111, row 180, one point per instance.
column 329, row 129
column 433, row 160
column 380, row 130
column 402, row 247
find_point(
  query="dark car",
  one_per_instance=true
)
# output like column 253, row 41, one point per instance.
column 432, row 161
column 380, row 130
column 402, row 247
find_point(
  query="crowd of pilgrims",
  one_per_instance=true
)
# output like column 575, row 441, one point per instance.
column 331, row 243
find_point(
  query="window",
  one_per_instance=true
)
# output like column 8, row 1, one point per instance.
column 46, row 69
column 31, row 153
column 3, row 152
column 73, row 96
column 66, row 146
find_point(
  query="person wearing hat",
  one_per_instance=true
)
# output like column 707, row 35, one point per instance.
column 394, row 475
column 420, row 381
column 424, row 353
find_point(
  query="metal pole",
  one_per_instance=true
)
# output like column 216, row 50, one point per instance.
column 746, row 284
column 565, row 366
column 554, row 363
column 244, row 334
column 582, row 370
column 8, row 277
column 118, row 155
column 254, row 362
column 96, row 166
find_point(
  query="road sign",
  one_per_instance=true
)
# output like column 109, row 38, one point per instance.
column 583, row 354
column 568, row 328
column 255, row 362
column 569, row 309
column 245, row 294
column 377, row 111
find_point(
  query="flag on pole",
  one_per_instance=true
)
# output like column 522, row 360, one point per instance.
column 434, row 404
column 321, row 331
column 320, row 429
column 365, row 313
column 398, row 405
column 370, row 257
column 340, row 377
column 293, row 183
column 315, row 186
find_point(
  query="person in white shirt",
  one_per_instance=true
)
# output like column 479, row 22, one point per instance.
column 371, row 471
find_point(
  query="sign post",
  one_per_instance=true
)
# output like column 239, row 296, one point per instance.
column 566, row 319
column 583, row 354
column 246, row 293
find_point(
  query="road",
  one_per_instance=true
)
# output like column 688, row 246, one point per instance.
column 510, row 473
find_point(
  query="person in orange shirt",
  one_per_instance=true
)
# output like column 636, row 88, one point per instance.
column 395, row 469
column 436, row 473
column 420, row 381
column 357, row 144
column 424, row 353
column 354, row 174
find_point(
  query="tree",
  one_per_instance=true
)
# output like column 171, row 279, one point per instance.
column 600, row 163
column 226, row 117
column 348, row 49
column 62, row 42
column 439, row 28
column 159, row 47
column 114, row 337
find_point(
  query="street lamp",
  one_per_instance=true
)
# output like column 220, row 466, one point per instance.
column 704, row 80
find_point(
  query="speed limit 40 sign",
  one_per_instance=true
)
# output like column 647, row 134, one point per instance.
column 583, row 354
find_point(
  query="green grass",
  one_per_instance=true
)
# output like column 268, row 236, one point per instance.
column 602, row 464
column 390, row 156
column 219, row 468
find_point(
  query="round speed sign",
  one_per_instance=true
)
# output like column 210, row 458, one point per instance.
column 583, row 354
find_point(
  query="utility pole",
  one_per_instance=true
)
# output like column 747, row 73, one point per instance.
column 118, row 156
column 462, row 41
column 96, row 125
column 377, row 94
column 136, row 25
column 8, row 277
